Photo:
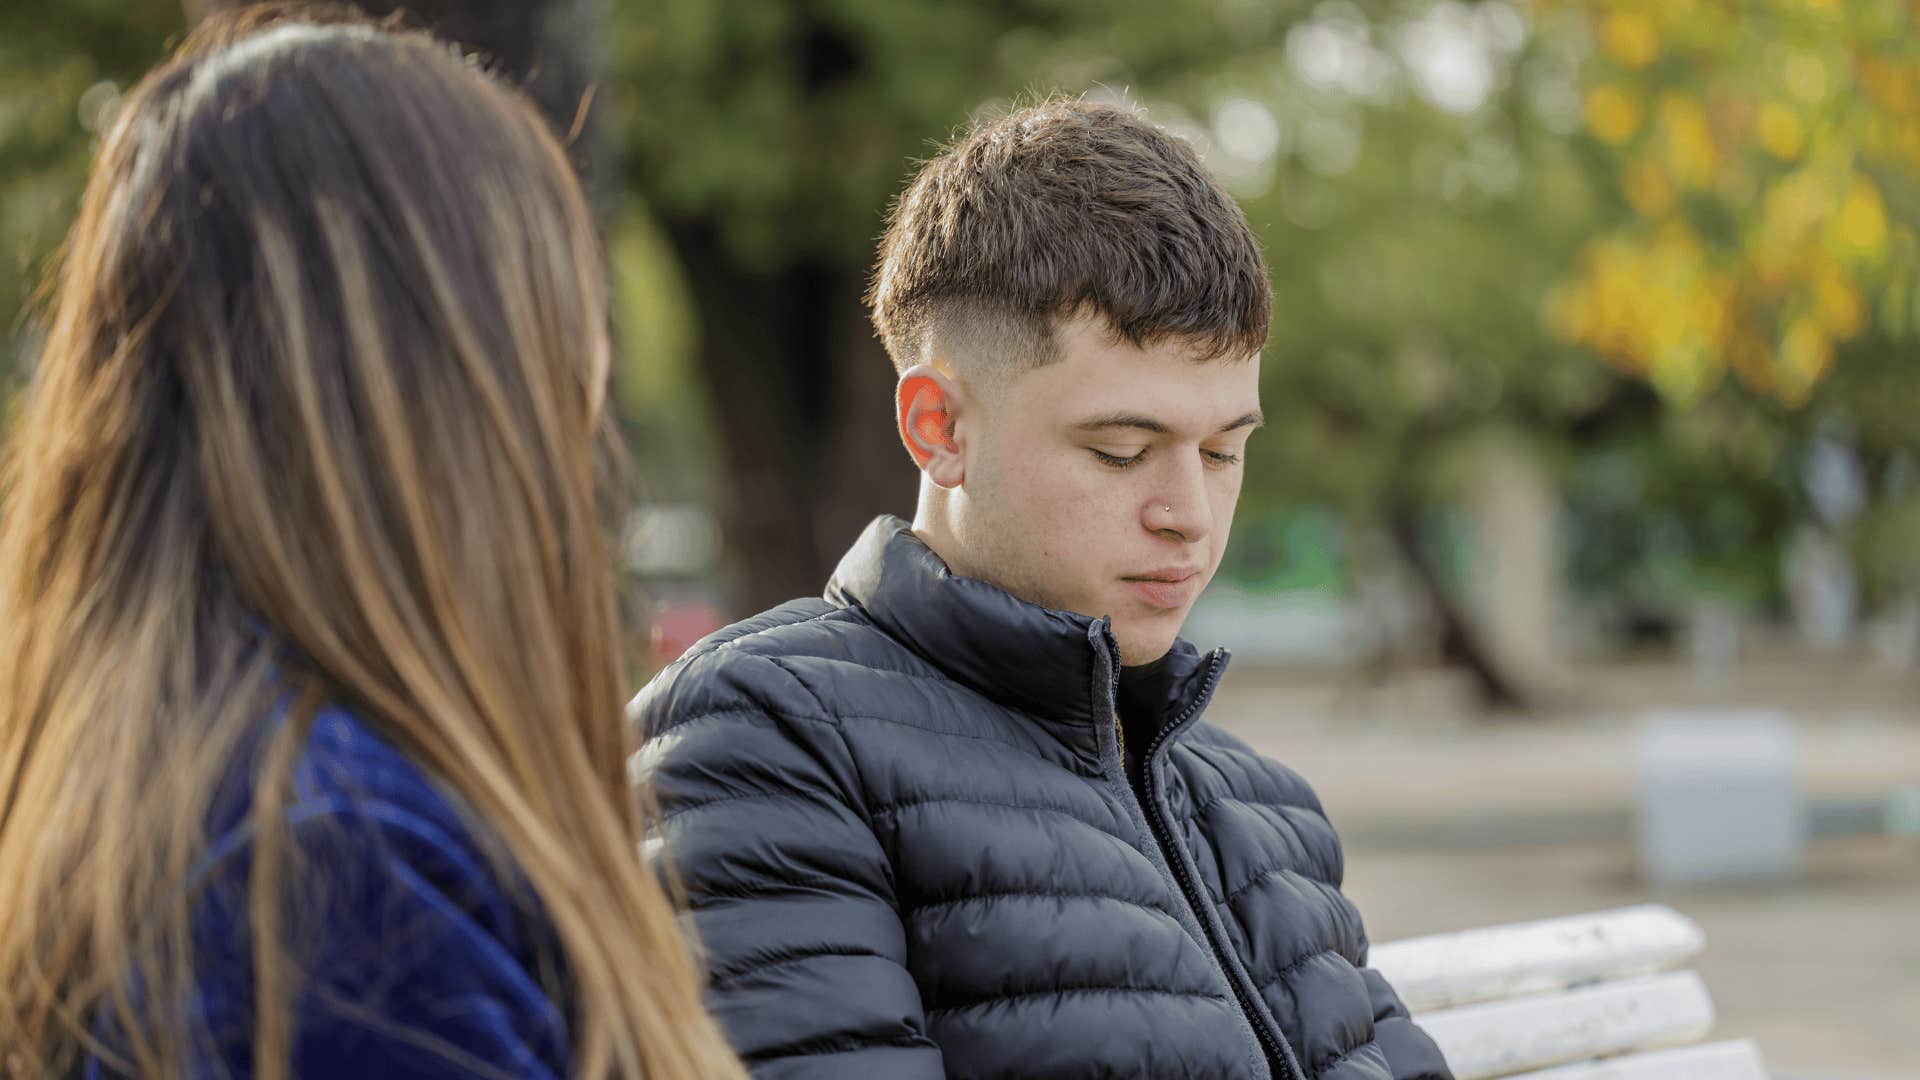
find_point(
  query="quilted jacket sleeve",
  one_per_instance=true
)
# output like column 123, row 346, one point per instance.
column 1410, row 1051
column 789, row 889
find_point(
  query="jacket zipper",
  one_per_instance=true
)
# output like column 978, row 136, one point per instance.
column 1277, row 1058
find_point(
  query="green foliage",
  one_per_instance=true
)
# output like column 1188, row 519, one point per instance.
column 1479, row 216
column 666, row 421
column 1411, row 246
column 62, row 68
column 1411, row 249
column 793, row 125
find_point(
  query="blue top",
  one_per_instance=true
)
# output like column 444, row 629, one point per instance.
column 420, row 960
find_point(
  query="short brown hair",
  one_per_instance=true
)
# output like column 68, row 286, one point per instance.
column 1063, row 208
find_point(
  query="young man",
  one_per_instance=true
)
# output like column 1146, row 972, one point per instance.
column 961, row 817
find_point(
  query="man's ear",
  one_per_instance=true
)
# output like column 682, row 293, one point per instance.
column 929, row 403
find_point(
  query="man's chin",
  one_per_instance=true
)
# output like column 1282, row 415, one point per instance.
column 1140, row 646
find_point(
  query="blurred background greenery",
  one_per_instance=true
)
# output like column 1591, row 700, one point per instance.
column 1594, row 320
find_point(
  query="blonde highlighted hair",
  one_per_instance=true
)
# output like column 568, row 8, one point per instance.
column 326, row 367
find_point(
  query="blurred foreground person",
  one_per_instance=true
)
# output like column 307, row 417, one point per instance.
column 961, row 817
column 311, row 745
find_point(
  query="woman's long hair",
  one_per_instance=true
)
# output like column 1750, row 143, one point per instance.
column 326, row 369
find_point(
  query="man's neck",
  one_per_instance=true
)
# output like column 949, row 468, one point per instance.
column 932, row 525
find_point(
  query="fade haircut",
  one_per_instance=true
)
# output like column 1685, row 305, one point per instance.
column 1061, row 209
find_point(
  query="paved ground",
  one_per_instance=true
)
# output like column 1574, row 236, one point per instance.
column 1450, row 822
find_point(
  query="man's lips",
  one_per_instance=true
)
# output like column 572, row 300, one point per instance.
column 1167, row 589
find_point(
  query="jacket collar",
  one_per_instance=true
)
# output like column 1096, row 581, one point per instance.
column 1051, row 664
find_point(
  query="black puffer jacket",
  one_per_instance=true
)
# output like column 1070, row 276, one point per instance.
column 911, row 849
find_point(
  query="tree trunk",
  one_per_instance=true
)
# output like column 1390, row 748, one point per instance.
column 1461, row 643
column 802, row 396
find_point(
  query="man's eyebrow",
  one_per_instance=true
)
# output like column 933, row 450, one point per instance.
column 1137, row 422
column 1123, row 420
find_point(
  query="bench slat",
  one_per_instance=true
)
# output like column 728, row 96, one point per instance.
column 1494, row 963
column 1738, row 1060
column 1500, row 1038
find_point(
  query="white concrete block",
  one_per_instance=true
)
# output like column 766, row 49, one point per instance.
column 1719, row 798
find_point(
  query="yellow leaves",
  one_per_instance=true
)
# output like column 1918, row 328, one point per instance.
column 1778, row 131
column 1665, row 306
column 1612, row 114
column 1654, row 307
column 1862, row 223
column 1647, row 188
column 1752, row 360
column 1807, row 77
column 1790, row 210
column 1806, row 354
column 1689, row 140
column 1793, row 139
column 1629, row 38
column 1686, row 138
column 1889, row 86
column 1770, row 269
column 1838, row 308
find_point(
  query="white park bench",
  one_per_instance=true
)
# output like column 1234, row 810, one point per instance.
column 1591, row 997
